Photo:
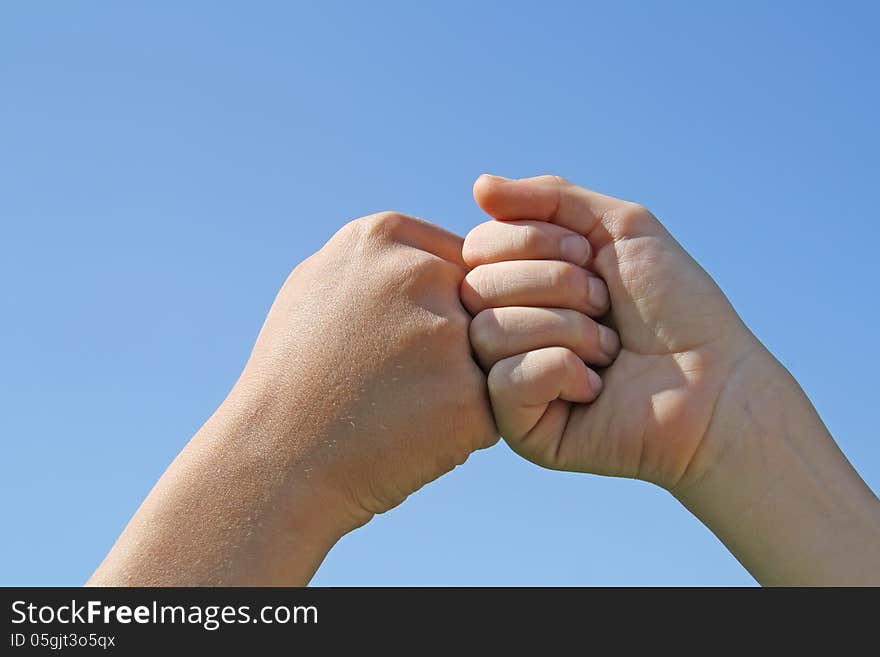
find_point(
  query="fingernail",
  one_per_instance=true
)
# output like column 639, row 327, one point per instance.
column 609, row 342
column 595, row 381
column 575, row 249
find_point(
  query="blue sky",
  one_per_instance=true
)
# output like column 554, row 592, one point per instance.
column 164, row 165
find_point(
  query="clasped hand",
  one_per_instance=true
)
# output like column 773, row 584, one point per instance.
column 570, row 323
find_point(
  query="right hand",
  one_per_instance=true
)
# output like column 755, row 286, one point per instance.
column 366, row 346
column 360, row 389
column 682, row 342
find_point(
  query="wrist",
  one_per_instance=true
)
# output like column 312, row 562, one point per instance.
column 264, row 437
column 772, row 484
column 242, row 504
column 749, row 396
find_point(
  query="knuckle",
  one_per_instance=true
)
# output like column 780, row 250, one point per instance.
column 550, row 178
column 555, row 275
column 482, row 330
column 376, row 237
column 499, row 379
column 414, row 269
column 354, row 239
column 469, row 296
column 633, row 214
column 568, row 361
column 471, row 280
column 445, row 331
column 470, row 248
column 480, row 244
column 452, row 272
column 382, row 225
column 567, row 277
column 481, row 280
column 477, row 235
column 576, row 278
column 456, row 325
column 563, row 357
column 351, row 230
column 531, row 239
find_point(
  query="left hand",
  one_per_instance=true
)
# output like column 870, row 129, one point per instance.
column 681, row 340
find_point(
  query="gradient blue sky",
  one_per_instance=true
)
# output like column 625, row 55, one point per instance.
column 163, row 166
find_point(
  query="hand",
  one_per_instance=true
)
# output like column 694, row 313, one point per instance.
column 367, row 346
column 361, row 388
column 693, row 402
column 681, row 340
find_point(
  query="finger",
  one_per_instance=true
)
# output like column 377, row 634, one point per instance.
column 498, row 333
column 539, row 283
column 496, row 241
column 416, row 233
column 599, row 217
column 521, row 387
column 434, row 239
column 541, row 444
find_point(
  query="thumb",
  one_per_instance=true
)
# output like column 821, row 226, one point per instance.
column 598, row 217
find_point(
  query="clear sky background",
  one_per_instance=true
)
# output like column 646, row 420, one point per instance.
column 164, row 165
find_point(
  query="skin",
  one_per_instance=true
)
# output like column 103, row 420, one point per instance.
column 604, row 348
column 692, row 402
column 304, row 449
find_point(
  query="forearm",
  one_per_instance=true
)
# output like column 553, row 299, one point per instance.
column 238, row 506
column 777, row 490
